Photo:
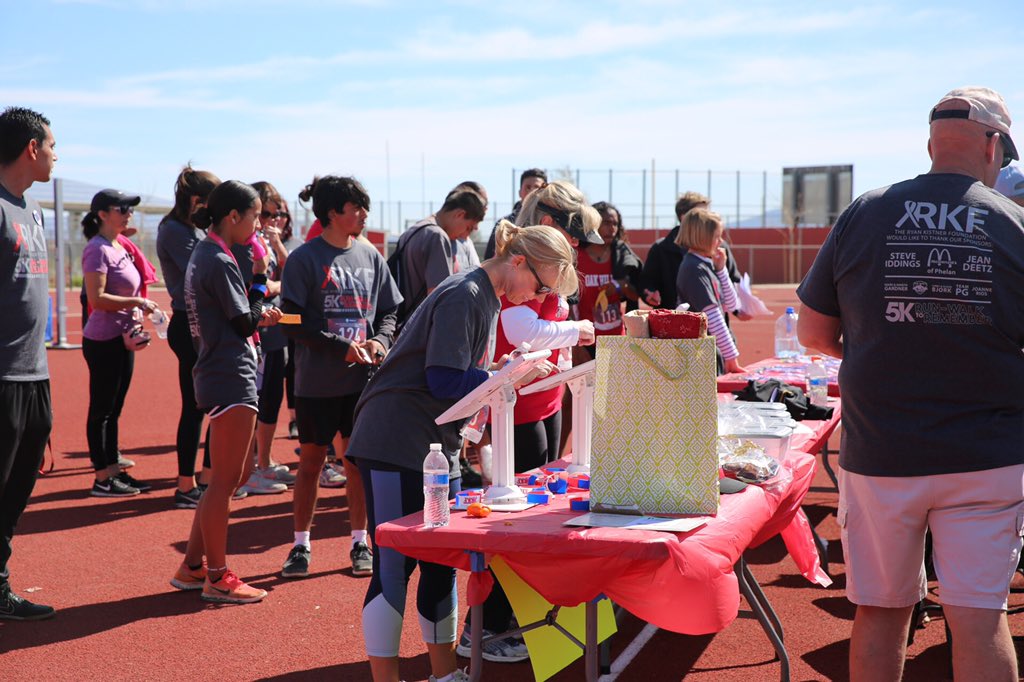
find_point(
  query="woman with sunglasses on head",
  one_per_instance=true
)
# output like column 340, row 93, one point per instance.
column 176, row 237
column 111, row 334
column 223, row 316
column 442, row 354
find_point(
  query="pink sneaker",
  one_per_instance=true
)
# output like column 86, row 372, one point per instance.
column 230, row 589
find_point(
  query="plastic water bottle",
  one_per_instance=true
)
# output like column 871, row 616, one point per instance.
column 435, row 488
column 160, row 321
column 817, row 382
column 787, row 347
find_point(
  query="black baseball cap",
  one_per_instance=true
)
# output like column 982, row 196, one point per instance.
column 107, row 198
column 572, row 224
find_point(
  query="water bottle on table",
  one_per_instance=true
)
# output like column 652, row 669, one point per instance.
column 817, row 382
column 787, row 346
column 435, row 488
column 160, row 321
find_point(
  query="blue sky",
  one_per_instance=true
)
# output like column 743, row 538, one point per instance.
column 253, row 89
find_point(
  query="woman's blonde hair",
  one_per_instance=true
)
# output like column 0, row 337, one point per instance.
column 545, row 248
column 563, row 202
column 697, row 229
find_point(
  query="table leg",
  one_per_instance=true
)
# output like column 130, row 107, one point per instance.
column 477, row 564
column 825, row 452
column 590, row 652
column 764, row 613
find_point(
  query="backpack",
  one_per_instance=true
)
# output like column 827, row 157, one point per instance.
column 395, row 266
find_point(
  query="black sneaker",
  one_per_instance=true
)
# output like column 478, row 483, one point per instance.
column 362, row 559
column 13, row 607
column 189, row 500
column 297, row 563
column 134, row 482
column 202, row 487
column 113, row 487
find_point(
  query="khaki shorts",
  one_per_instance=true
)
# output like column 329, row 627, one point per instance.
column 976, row 519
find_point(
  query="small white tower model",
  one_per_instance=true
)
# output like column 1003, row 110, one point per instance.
column 499, row 394
column 581, row 381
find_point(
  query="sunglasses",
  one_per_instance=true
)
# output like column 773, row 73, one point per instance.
column 1007, row 156
column 541, row 288
column 267, row 215
column 123, row 210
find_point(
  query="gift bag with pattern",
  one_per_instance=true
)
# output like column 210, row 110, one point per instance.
column 655, row 427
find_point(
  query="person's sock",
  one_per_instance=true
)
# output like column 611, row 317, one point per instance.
column 358, row 536
column 302, row 538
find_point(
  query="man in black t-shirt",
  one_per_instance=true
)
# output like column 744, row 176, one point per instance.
column 920, row 289
column 26, row 157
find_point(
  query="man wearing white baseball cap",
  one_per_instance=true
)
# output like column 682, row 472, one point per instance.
column 919, row 288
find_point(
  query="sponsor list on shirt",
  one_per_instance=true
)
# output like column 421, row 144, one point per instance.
column 938, row 266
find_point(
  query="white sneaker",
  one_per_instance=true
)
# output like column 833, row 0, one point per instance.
column 331, row 477
column 278, row 473
column 457, row 676
column 258, row 485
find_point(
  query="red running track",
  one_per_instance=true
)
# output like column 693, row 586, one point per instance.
column 105, row 565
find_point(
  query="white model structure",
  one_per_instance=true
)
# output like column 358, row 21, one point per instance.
column 581, row 380
column 499, row 394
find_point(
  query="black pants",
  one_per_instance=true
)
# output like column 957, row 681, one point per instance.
column 289, row 375
column 25, row 422
column 110, row 374
column 271, row 389
column 190, row 423
column 536, row 444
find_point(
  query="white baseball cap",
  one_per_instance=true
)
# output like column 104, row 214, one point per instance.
column 1011, row 182
column 986, row 107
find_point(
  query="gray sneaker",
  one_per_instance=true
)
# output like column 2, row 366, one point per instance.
column 258, row 485
column 506, row 650
column 362, row 559
column 297, row 563
column 278, row 473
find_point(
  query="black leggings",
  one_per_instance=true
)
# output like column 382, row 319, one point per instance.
column 271, row 389
column 110, row 374
column 190, row 423
column 391, row 493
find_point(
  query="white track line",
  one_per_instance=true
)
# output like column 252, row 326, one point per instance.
column 629, row 653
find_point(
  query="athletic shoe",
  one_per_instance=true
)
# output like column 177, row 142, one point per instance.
column 505, row 650
column 297, row 563
column 230, row 589
column 113, row 487
column 134, row 483
column 331, row 477
column 187, row 579
column 124, row 462
column 278, row 473
column 258, row 485
column 362, row 559
column 13, row 607
column 293, row 430
column 457, row 676
column 189, row 500
column 202, row 487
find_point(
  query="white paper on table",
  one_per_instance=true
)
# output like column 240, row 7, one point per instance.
column 749, row 303
column 597, row 520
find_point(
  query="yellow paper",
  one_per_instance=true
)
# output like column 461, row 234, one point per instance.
column 550, row 651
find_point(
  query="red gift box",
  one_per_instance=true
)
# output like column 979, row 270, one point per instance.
column 671, row 324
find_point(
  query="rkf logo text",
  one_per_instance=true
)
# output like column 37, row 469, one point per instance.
column 942, row 217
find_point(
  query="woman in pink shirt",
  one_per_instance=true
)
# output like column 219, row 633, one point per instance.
column 111, row 335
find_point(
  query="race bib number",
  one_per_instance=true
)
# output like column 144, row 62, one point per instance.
column 353, row 330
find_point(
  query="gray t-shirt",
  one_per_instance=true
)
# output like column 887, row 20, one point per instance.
column 215, row 294
column 466, row 257
column 341, row 291
column 927, row 278
column 454, row 327
column 174, row 243
column 24, row 289
column 697, row 284
column 427, row 260
column 272, row 338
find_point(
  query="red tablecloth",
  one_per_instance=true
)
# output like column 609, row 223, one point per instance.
column 680, row 582
column 773, row 368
